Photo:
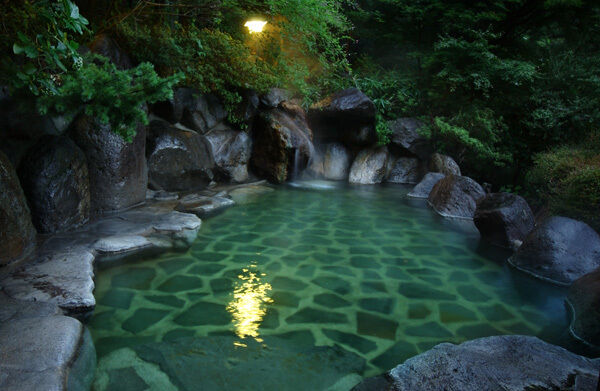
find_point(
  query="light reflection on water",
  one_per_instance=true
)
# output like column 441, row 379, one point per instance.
column 249, row 304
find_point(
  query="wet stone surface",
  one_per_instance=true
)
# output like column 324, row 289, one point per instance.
column 380, row 277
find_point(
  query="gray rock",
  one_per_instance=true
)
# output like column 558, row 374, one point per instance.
column 584, row 300
column 107, row 47
column 423, row 188
column 405, row 170
column 63, row 277
column 11, row 309
column 63, row 270
column 248, row 107
column 231, row 150
column 406, row 137
column 117, row 169
column 504, row 219
column 17, row 236
column 350, row 103
column 282, row 143
column 274, row 97
column 347, row 116
column 178, row 159
column 456, row 196
column 444, row 164
column 503, row 363
column 559, row 250
column 36, row 353
column 370, row 166
column 55, row 179
column 204, row 206
column 248, row 194
column 200, row 112
column 161, row 195
column 336, row 162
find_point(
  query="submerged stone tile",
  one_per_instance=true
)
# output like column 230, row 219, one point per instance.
column 520, row 328
column 306, row 270
column 364, row 263
column 221, row 285
column 287, row 284
column 170, row 266
column 206, row 269
column 415, row 290
column 134, row 278
column 373, row 287
column 418, row 311
column 125, row 379
column 330, row 300
column 496, row 312
column 204, row 313
column 397, row 273
column 181, row 284
column 382, row 305
column 176, row 334
column 169, row 300
column 429, row 329
column 107, row 345
column 117, row 298
column 334, row 284
column 398, row 353
column 472, row 294
column 313, row 315
column 376, row 326
column 285, row 299
column 341, row 270
column 453, row 313
column 361, row 344
column 142, row 319
column 271, row 319
column 299, row 337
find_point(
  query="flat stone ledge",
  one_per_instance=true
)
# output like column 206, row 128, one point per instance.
column 38, row 347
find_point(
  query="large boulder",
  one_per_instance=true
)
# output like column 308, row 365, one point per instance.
column 282, row 142
column 40, row 349
column 405, row 170
column 231, row 150
column 178, row 159
column 55, row 179
column 336, row 162
column 347, row 116
column 370, row 166
column 504, row 219
column 423, row 188
column 105, row 46
column 201, row 112
column 456, row 196
column 117, row 168
column 559, row 250
column 443, row 164
column 584, row 300
column 502, row 363
column 274, row 97
column 406, row 138
column 198, row 111
column 17, row 236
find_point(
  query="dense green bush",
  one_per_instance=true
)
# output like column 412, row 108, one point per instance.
column 567, row 180
column 496, row 81
column 40, row 60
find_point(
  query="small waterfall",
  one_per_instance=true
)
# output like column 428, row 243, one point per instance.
column 296, row 169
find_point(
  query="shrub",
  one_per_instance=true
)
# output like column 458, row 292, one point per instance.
column 567, row 180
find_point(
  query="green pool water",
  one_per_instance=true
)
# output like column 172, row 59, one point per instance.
column 309, row 289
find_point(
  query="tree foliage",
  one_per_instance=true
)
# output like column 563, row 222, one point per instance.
column 497, row 81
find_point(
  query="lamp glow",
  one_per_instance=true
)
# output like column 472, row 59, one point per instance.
column 255, row 26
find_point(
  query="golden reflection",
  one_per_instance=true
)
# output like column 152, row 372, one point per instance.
column 249, row 304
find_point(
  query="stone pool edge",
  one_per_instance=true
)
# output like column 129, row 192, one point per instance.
column 43, row 300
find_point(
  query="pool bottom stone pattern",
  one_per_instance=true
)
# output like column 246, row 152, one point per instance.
column 360, row 276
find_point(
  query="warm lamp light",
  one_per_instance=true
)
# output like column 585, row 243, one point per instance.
column 255, row 26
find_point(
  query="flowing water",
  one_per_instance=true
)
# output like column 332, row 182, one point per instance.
column 303, row 289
